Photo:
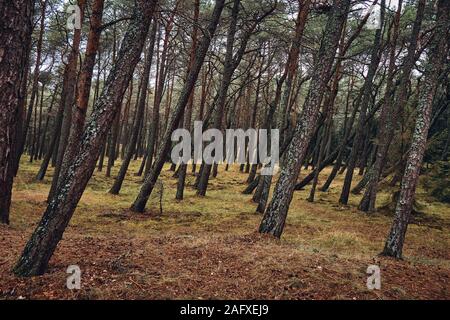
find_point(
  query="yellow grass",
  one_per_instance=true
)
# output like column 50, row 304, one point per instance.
column 340, row 239
column 320, row 226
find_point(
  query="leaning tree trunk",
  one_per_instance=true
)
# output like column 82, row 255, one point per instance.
column 15, row 37
column 348, row 124
column 115, row 189
column 56, row 131
column 188, row 114
column 111, row 151
column 275, row 215
column 84, row 85
column 228, row 70
column 254, row 167
column 37, row 137
column 438, row 52
column 43, row 142
column 363, row 102
column 262, row 192
column 152, row 176
column 162, row 75
column 329, row 109
column 69, row 99
column 292, row 66
column 232, row 61
column 389, row 115
column 43, row 242
column 21, row 140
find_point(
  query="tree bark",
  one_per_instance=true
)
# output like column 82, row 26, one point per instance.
column 275, row 215
column 56, row 131
column 388, row 113
column 188, row 114
column 162, row 75
column 223, row 89
column 232, row 61
column 152, row 176
column 362, row 104
column 15, row 38
column 84, row 85
column 115, row 189
column 292, row 65
column 438, row 52
column 35, row 83
column 69, row 99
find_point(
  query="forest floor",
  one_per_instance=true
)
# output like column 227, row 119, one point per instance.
column 208, row 248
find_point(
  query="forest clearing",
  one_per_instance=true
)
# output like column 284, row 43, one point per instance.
column 210, row 249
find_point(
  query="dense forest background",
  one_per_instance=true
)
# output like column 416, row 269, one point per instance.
column 91, row 91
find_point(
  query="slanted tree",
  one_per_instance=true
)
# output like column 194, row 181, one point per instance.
column 228, row 68
column 292, row 65
column 232, row 61
column 161, row 81
column 113, row 133
column 188, row 114
column 56, row 131
column 362, row 104
column 151, row 178
column 80, row 106
column 262, row 192
column 15, row 37
column 389, row 113
column 35, row 81
column 44, row 140
column 69, row 99
column 42, row 244
column 115, row 189
column 438, row 52
column 275, row 215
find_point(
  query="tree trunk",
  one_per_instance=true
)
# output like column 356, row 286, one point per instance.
column 69, row 99
column 37, row 139
column 389, row 114
column 35, row 84
column 15, row 37
column 152, row 176
column 43, row 143
column 329, row 112
column 162, row 75
column 291, row 67
column 188, row 114
column 115, row 189
column 111, row 151
column 43, row 242
column 84, row 85
column 438, row 52
column 230, row 65
column 275, row 215
column 362, row 104
column 56, row 131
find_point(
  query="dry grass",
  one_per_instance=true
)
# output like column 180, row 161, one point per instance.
column 208, row 247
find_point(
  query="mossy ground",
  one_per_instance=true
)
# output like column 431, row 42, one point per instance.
column 209, row 248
